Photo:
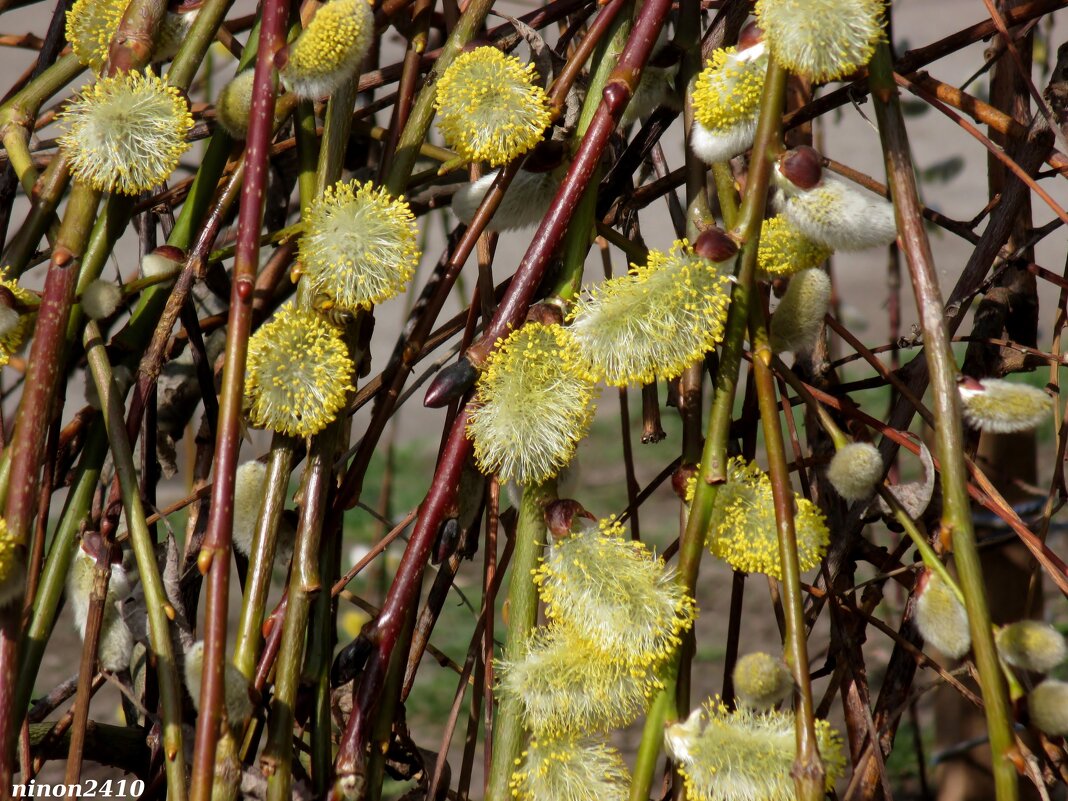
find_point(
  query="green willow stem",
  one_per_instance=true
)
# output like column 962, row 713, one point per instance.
column 156, row 603
column 714, row 456
column 508, row 731
column 956, row 509
column 581, row 230
column 304, row 583
column 808, row 770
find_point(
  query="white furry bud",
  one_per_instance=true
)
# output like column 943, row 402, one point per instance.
column 238, row 704
column 855, row 470
column 101, row 299
column 1048, row 705
column 1032, row 645
column 941, row 617
column 795, row 326
column 524, row 204
column 1003, row 407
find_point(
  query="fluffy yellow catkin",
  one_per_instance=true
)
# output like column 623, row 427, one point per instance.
column 655, row 321
column 567, row 685
column 489, row 106
column 745, row 754
column 533, row 405
column 125, row 133
column 742, row 530
column 612, row 590
column 822, row 40
column 1032, row 645
column 941, row 617
column 855, row 470
column 726, row 101
column 761, row 681
column 298, row 374
column 570, row 769
column 329, row 51
column 784, row 250
column 359, row 246
column 238, row 703
column 796, row 324
column 90, row 26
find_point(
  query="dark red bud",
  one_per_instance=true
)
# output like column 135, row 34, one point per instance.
column 750, row 35
column 547, row 155
column 450, row 384
column 546, row 314
column 714, row 244
column 560, row 516
column 171, row 253
column 244, row 290
column 967, row 382
column 281, row 57
column 616, row 93
column 680, row 479
column 802, row 166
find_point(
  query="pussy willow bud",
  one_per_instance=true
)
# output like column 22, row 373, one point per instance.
column 524, row 204
column 163, row 260
column 329, row 51
column 238, row 704
column 761, row 681
column 249, row 482
column 234, row 104
column 1048, row 705
column 822, row 40
column 564, row 516
column 570, row 769
column 828, row 211
column 1003, row 407
column 1032, row 645
column 855, row 470
column 941, row 617
column 16, row 332
column 116, row 641
column 745, row 754
column 797, row 321
column 101, row 299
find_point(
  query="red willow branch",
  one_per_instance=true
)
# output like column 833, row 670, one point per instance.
column 387, row 629
column 215, row 553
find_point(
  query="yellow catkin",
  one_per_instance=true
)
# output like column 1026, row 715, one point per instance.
column 14, row 337
column 90, row 26
column 126, row 133
column 359, row 246
column 533, row 405
column 570, row 769
column 743, row 532
column 616, row 592
column 12, row 567
column 821, row 39
column 655, row 321
column 784, row 250
column 727, row 91
column 329, row 51
column 746, row 754
column 298, row 373
column 489, row 106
